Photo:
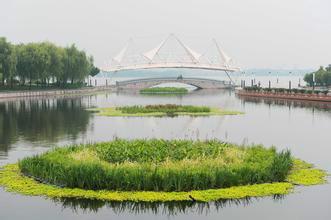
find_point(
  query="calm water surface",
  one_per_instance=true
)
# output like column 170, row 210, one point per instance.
column 32, row 126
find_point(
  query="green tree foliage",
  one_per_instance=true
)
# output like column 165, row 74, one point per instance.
column 7, row 61
column 322, row 77
column 44, row 63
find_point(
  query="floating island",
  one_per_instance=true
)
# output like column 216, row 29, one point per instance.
column 159, row 170
column 161, row 111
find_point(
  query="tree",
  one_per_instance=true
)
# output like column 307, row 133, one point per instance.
column 322, row 77
column 40, row 62
column 55, row 66
column 93, row 69
column 76, row 65
column 7, row 61
column 328, row 68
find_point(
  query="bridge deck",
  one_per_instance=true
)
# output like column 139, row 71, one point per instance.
column 149, row 82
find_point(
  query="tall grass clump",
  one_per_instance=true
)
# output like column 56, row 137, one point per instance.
column 158, row 165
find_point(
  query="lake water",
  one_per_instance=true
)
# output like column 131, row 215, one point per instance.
column 32, row 126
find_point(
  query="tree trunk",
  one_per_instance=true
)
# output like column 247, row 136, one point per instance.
column 11, row 82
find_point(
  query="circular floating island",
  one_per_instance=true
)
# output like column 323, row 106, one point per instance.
column 159, row 170
column 161, row 110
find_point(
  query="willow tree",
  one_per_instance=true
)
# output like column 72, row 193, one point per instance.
column 7, row 61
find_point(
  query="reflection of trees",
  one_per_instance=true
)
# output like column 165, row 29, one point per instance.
column 39, row 120
column 156, row 208
column 324, row 106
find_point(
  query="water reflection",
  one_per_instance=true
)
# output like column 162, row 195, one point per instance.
column 326, row 106
column 41, row 120
column 156, row 208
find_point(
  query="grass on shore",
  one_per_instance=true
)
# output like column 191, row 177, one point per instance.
column 162, row 110
column 157, row 90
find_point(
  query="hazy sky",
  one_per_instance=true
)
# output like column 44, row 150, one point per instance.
column 256, row 33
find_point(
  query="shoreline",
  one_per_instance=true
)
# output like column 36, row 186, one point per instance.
column 272, row 95
column 53, row 92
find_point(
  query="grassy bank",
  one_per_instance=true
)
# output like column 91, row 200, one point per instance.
column 162, row 110
column 166, row 90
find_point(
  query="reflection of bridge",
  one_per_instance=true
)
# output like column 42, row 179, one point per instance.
column 197, row 82
column 172, row 53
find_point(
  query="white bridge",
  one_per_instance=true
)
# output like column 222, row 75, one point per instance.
column 172, row 53
column 200, row 83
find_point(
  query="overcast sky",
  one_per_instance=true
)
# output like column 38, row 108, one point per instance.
column 256, row 33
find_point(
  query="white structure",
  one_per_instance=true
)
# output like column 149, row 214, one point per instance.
column 162, row 56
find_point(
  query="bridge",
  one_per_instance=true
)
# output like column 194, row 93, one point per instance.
column 200, row 83
column 172, row 53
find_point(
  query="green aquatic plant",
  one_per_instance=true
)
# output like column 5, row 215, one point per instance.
column 305, row 174
column 156, row 90
column 161, row 110
column 158, row 165
column 11, row 178
column 159, row 171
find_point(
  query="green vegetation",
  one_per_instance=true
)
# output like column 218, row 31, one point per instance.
column 11, row 178
column 156, row 90
column 304, row 174
column 322, row 77
column 43, row 64
column 170, row 170
column 286, row 91
column 162, row 110
column 158, row 165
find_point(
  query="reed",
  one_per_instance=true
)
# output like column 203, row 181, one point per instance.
column 158, row 165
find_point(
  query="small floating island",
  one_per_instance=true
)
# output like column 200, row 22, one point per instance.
column 164, row 90
column 158, row 170
column 161, row 110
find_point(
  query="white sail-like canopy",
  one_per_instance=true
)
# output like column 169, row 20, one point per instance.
column 194, row 54
column 224, row 56
column 151, row 54
column 119, row 57
column 172, row 53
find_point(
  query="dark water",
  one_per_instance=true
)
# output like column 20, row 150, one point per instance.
column 32, row 126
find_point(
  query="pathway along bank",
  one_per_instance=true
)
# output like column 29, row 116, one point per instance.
column 53, row 92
